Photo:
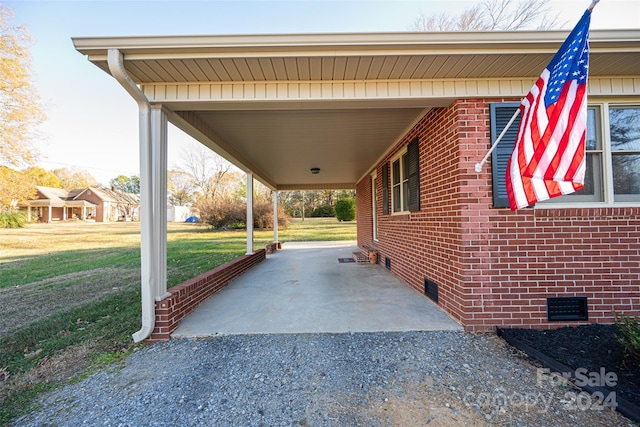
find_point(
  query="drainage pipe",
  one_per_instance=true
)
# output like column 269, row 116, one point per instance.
column 115, row 61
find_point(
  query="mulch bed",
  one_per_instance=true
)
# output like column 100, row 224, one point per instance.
column 590, row 347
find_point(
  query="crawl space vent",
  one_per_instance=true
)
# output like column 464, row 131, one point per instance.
column 431, row 290
column 387, row 263
column 567, row 308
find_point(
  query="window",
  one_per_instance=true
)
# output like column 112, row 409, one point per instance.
column 405, row 179
column 612, row 156
column 399, row 184
column 624, row 131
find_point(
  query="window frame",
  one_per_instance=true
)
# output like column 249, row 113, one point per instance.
column 602, row 108
column 402, row 184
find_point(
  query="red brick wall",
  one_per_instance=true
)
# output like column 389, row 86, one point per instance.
column 495, row 267
column 424, row 244
column 187, row 296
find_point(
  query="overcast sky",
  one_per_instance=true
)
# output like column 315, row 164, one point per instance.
column 92, row 122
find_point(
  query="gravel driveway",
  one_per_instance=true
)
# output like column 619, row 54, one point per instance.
column 357, row 379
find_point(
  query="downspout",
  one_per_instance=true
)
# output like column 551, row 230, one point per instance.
column 115, row 61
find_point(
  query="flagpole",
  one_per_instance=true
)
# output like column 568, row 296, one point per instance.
column 480, row 165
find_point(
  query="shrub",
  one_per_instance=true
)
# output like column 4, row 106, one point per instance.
column 263, row 215
column 324, row 211
column 629, row 335
column 12, row 219
column 346, row 209
column 223, row 213
column 233, row 214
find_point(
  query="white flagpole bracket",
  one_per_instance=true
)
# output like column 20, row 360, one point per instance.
column 480, row 165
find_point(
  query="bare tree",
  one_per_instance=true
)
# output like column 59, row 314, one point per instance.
column 180, row 188
column 207, row 170
column 493, row 15
column 73, row 178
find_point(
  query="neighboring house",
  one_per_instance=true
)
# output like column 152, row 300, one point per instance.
column 403, row 118
column 97, row 204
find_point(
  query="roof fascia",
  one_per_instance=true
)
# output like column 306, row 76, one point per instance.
column 140, row 47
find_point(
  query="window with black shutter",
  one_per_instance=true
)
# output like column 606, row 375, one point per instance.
column 500, row 116
column 385, row 188
column 413, row 166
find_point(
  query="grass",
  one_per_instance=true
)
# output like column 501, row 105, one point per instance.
column 70, row 293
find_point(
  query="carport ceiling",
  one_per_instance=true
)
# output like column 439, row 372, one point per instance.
column 287, row 144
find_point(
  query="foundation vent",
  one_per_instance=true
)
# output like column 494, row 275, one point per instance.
column 567, row 308
column 387, row 263
column 431, row 290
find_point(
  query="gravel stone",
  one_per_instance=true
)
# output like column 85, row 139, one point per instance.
column 354, row 379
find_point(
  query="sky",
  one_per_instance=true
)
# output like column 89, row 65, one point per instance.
column 92, row 123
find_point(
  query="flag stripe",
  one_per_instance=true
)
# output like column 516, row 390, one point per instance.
column 548, row 158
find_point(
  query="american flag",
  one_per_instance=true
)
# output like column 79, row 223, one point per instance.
column 548, row 158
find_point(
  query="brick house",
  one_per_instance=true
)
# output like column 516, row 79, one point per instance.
column 91, row 203
column 402, row 116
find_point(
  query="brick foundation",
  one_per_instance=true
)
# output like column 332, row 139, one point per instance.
column 186, row 296
column 495, row 267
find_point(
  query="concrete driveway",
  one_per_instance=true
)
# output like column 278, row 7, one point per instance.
column 304, row 289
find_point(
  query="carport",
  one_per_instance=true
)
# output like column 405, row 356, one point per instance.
column 304, row 289
column 320, row 111
column 276, row 106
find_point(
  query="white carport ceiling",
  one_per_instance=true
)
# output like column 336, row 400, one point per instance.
column 280, row 137
column 287, row 144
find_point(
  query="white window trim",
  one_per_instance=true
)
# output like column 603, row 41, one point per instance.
column 607, row 172
column 398, row 156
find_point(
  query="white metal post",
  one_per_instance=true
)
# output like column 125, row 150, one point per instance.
column 159, row 197
column 275, row 217
column 249, row 213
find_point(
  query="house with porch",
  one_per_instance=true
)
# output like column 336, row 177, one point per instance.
column 403, row 118
column 91, row 203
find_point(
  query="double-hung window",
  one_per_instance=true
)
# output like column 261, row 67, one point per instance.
column 624, row 136
column 612, row 156
column 399, row 184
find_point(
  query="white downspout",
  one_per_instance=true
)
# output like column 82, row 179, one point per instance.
column 116, row 67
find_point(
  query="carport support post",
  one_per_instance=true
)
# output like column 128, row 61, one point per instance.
column 159, row 199
column 275, row 217
column 249, row 213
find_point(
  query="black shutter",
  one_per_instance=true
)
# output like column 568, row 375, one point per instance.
column 500, row 116
column 385, row 188
column 413, row 178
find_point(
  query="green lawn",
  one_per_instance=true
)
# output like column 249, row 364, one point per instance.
column 70, row 293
